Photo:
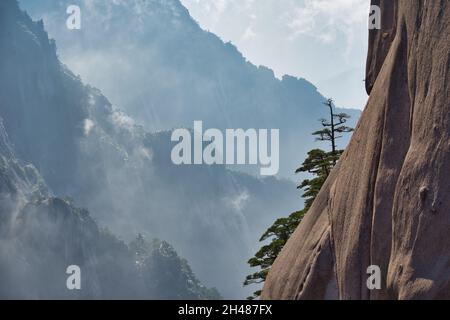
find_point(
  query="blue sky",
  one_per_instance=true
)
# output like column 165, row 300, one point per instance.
column 324, row 41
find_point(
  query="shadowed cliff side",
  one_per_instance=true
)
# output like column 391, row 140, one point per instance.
column 387, row 202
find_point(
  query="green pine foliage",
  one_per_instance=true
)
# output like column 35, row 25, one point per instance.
column 279, row 234
column 318, row 165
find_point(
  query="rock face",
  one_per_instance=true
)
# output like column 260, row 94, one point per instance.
column 387, row 202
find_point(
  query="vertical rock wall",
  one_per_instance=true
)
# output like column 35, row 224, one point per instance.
column 387, row 202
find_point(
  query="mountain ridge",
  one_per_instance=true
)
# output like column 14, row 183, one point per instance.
column 171, row 73
column 89, row 150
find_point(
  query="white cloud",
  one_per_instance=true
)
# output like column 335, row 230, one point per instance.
column 325, row 19
column 88, row 125
column 240, row 200
column 248, row 34
column 122, row 120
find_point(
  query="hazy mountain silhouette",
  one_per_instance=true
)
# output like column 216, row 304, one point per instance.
column 93, row 153
column 154, row 61
column 42, row 235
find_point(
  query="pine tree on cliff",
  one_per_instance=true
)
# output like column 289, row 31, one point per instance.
column 319, row 164
column 333, row 130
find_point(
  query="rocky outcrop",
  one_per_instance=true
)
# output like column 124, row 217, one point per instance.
column 387, row 202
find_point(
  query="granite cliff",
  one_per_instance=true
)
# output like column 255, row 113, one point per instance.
column 387, row 202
